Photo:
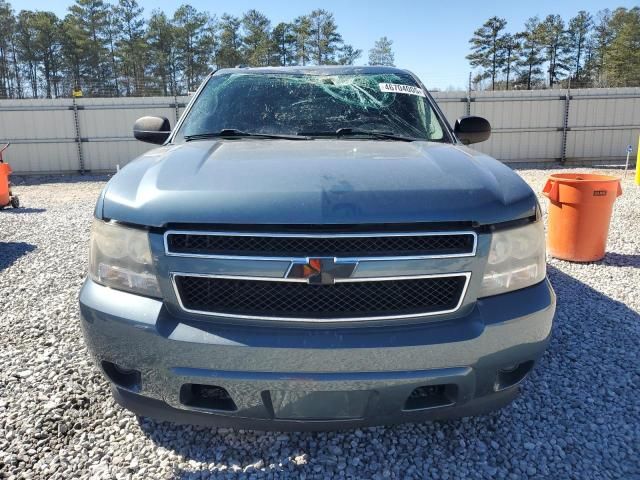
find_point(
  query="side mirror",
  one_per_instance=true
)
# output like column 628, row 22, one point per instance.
column 152, row 129
column 472, row 129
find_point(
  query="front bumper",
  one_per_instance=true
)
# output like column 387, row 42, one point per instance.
column 314, row 377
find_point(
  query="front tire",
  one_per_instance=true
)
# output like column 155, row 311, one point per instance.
column 15, row 201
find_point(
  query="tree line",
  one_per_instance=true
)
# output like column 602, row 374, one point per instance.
column 601, row 50
column 112, row 49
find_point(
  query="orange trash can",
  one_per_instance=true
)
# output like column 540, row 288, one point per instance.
column 5, row 194
column 580, row 206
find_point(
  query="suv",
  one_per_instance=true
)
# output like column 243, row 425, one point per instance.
column 315, row 248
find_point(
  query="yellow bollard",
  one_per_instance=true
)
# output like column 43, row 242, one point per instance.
column 638, row 164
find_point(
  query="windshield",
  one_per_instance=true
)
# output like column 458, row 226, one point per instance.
column 313, row 105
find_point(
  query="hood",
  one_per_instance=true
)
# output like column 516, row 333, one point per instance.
column 251, row 181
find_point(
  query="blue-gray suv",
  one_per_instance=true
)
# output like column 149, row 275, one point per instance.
column 315, row 248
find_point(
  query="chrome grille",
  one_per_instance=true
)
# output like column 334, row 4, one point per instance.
column 319, row 276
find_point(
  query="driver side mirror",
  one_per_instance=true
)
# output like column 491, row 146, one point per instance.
column 152, row 129
column 472, row 129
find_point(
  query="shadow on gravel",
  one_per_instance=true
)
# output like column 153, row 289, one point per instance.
column 576, row 416
column 12, row 251
column 621, row 260
column 16, row 211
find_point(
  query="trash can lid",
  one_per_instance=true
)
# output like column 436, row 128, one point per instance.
column 582, row 177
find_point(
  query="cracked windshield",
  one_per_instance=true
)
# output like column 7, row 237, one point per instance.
column 387, row 105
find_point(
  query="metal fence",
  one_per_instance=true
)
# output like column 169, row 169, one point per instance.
column 584, row 126
column 539, row 127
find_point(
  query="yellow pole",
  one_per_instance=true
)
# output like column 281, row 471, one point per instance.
column 638, row 164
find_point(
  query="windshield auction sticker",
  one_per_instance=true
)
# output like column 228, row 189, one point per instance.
column 399, row 88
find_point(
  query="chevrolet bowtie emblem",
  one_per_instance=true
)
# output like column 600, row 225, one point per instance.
column 321, row 271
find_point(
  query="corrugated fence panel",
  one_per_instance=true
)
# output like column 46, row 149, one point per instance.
column 41, row 133
column 107, row 123
column 50, row 157
column 452, row 104
column 603, row 122
column 527, row 126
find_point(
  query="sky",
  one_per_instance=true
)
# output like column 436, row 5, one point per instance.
column 429, row 38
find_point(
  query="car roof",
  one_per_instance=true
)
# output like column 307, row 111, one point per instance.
column 318, row 70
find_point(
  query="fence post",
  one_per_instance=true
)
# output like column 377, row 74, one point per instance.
column 175, row 104
column 469, row 96
column 76, row 122
column 565, row 123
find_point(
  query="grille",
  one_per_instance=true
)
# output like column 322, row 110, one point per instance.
column 256, row 298
column 335, row 246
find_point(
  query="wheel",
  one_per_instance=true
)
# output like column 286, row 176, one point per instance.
column 15, row 201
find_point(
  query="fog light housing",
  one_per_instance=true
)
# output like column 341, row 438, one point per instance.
column 127, row 378
column 512, row 375
column 431, row 396
column 209, row 397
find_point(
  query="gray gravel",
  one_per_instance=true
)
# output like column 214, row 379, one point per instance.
column 578, row 415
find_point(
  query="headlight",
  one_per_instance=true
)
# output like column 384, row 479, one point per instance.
column 516, row 260
column 120, row 257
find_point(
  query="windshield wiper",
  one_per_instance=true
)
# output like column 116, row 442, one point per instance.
column 348, row 132
column 235, row 133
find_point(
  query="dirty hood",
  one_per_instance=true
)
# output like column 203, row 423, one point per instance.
column 250, row 181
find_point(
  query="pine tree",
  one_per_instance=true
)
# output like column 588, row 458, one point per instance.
column 131, row 45
column 89, row 36
column 579, row 28
column 162, row 56
column 381, row 53
column 256, row 39
column 26, row 48
column 210, row 44
column 348, row 55
column 324, row 39
column 530, row 60
column 555, row 41
column 9, row 75
column 112, row 32
column 510, row 45
column 229, row 53
column 302, row 31
column 74, row 46
column 191, row 45
column 46, row 46
column 283, row 40
column 486, row 48
column 622, row 56
column 601, row 37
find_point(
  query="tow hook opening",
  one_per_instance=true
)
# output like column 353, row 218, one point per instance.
column 210, row 397
column 512, row 375
column 127, row 378
column 431, row 396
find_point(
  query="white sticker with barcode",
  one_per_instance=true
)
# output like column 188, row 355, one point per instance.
column 399, row 88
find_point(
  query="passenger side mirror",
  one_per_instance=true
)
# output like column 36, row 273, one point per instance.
column 472, row 129
column 152, row 129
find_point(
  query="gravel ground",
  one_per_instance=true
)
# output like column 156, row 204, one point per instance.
column 578, row 415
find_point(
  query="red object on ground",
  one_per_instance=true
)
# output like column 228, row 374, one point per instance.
column 6, row 196
column 580, row 206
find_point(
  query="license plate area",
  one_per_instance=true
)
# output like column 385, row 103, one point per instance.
column 318, row 405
